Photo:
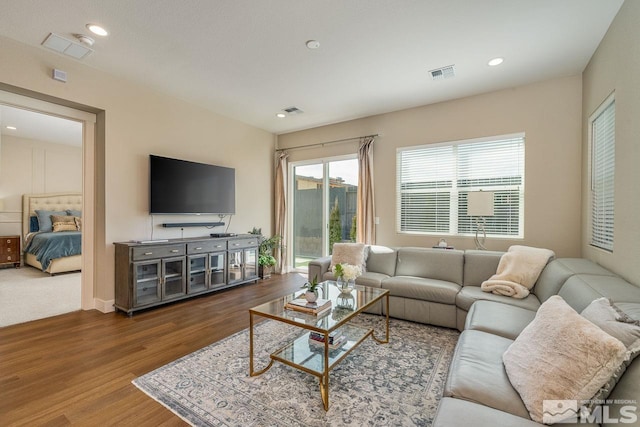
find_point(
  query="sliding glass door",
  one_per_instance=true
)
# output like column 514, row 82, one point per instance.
column 324, row 207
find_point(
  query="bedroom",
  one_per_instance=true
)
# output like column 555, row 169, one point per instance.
column 40, row 155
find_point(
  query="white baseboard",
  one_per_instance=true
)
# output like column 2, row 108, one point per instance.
column 104, row 306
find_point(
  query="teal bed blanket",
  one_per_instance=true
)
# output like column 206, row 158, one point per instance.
column 49, row 245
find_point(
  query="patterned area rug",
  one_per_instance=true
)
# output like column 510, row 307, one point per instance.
column 399, row 383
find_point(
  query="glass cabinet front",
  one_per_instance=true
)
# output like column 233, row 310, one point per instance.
column 197, row 274
column 250, row 264
column 147, row 282
column 217, row 265
column 174, row 278
column 235, row 266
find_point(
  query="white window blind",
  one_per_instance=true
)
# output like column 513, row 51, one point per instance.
column 602, row 176
column 433, row 182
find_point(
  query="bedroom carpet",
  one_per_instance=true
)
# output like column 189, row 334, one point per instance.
column 28, row 294
column 394, row 384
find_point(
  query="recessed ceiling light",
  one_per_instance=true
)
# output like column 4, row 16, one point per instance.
column 495, row 61
column 12, row 128
column 313, row 44
column 97, row 30
column 281, row 115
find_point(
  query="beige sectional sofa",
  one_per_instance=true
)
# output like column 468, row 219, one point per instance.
column 442, row 287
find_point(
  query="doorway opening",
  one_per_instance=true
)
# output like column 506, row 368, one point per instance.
column 74, row 170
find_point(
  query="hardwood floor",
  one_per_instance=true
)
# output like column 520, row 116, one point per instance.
column 76, row 368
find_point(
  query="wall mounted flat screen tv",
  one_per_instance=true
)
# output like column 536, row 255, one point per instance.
column 183, row 187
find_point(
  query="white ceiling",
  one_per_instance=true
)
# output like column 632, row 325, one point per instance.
column 39, row 126
column 247, row 59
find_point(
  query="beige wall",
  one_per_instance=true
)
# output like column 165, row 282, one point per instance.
column 140, row 121
column 550, row 115
column 30, row 166
column 615, row 66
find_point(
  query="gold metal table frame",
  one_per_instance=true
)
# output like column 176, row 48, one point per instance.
column 318, row 359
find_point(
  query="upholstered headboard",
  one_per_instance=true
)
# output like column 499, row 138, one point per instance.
column 47, row 201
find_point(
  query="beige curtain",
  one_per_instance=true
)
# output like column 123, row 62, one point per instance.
column 280, row 206
column 366, row 214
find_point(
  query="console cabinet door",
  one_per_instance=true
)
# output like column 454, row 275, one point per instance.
column 217, row 269
column 197, row 274
column 235, row 266
column 147, row 281
column 250, row 264
column 173, row 275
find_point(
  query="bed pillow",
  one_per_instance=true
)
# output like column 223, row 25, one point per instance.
column 63, row 223
column 349, row 253
column 74, row 212
column 33, row 224
column 78, row 222
column 560, row 355
column 44, row 219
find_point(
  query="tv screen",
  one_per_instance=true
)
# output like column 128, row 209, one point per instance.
column 183, row 187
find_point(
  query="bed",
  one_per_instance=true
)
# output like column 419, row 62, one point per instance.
column 51, row 252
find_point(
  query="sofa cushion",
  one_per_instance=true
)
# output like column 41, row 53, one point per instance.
column 626, row 394
column 371, row 279
column 559, row 270
column 431, row 263
column 579, row 290
column 631, row 309
column 459, row 412
column 382, row 259
column 470, row 294
column 479, row 266
column 560, row 356
column 422, row 289
column 500, row 319
column 477, row 373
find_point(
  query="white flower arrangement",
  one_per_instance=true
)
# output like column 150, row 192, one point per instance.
column 347, row 271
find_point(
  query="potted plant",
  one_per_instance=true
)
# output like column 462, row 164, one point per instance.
column 311, row 295
column 266, row 260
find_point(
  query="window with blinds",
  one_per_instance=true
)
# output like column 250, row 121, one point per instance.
column 433, row 182
column 602, row 175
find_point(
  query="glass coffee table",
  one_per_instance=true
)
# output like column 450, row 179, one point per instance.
column 319, row 358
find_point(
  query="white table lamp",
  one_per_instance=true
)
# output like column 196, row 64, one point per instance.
column 480, row 205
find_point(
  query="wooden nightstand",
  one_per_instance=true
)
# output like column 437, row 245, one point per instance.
column 10, row 251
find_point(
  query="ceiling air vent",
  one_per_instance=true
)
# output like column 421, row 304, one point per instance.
column 443, row 73
column 67, row 47
column 293, row 110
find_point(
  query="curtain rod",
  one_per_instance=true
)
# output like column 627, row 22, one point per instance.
column 297, row 147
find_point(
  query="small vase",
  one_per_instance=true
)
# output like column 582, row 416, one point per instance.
column 311, row 296
column 346, row 286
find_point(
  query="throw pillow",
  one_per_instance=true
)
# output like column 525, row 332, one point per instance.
column 74, row 212
column 63, row 223
column 560, row 355
column 611, row 319
column 44, row 219
column 78, row 222
column 349, row 253
column 614, row 321
column 631, row 311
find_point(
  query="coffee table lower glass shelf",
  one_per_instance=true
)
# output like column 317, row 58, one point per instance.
column 317, row 358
